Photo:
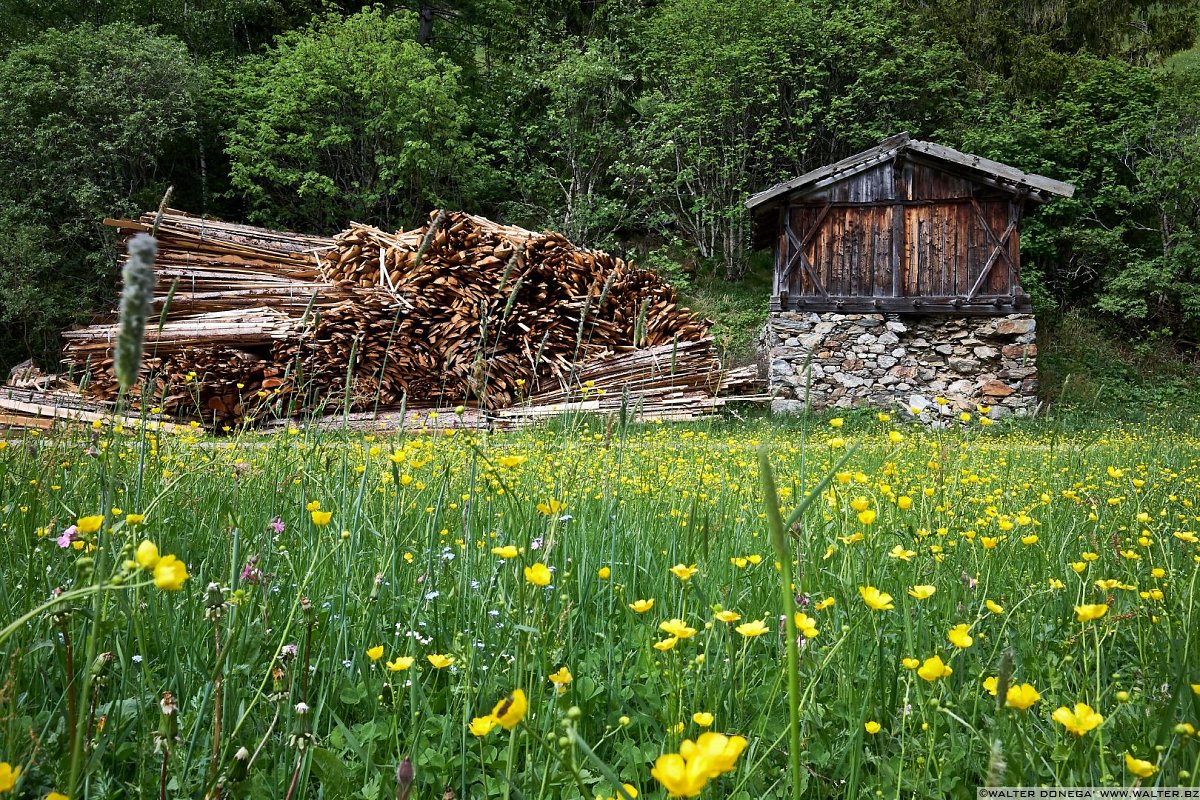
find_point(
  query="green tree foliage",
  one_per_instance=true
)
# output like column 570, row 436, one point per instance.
column 565, row 123
column 94, row 122
column 1128, row 137
column 741, row 93
column 637, row 126
column 349, row 119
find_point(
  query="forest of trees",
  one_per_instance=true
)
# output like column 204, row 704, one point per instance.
column 635, row 125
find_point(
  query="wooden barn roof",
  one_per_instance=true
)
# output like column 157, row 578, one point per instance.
column 985, row 170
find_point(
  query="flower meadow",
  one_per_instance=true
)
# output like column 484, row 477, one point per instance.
column 590, row 610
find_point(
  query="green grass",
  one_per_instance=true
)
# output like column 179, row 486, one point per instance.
column 738, row 308
column 406, row 562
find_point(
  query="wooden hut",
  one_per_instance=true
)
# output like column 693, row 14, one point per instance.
column 905, row 227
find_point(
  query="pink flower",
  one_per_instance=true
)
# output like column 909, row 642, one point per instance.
column 66, row 538
column 277, row 525
column 251, row 572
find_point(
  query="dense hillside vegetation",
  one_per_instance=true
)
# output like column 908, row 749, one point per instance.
column 635, row 126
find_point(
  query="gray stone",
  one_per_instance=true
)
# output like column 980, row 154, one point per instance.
column 782, row 406
column 896, row 327
column 986, row 352
column 1015, row 325
column 963, row 365
column 886, row 362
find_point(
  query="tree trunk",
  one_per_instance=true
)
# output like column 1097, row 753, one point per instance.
column 425, row 31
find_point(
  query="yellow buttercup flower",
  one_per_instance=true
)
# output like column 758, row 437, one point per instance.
column 146, row 555
column 666, row 644
column 89, row 525
column 934, row 669
column 922, row 591
column 538, row 574
column 1087, row 613
column 135, row 519
column 683, row 571
column 482, row 726
column 321, row 518
column 1143, row 769
column 910, row 663
column 511, row 710
column 440, row 661
column 991, row 684
column 860, row 504
column 642, row 606
column 677, row 628
column 752, row 629
column 551, row 507
column 400, row 663
column 678, row 777
column 994, row 607
column 806, row 625
column 1079, row 720
column 8, row 776
column 562, row 677
column 715, row 752
column 170, row 573
column 1021, row 696
column 512, row 461
column 836, row 422
column 821, row 605
column 702, row 718
column 313, row 505
column 875, row 599
column 604, row 573
column 375, row 653
column 899, row 552
column 728, row 616
column 507, row 551
column 56, row 796
column 872, row 727
column 960, row 636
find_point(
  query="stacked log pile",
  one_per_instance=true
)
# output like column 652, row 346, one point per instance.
column 254, row 322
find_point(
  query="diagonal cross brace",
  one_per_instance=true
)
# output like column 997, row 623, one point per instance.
column 999, row 247
column 797, row 246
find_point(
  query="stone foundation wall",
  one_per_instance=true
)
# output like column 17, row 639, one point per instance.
column 883, row 359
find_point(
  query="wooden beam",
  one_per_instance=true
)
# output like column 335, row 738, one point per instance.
column 979, row 306
column 898, row 238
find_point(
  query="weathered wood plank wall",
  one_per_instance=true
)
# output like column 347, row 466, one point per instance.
column 901, row 229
